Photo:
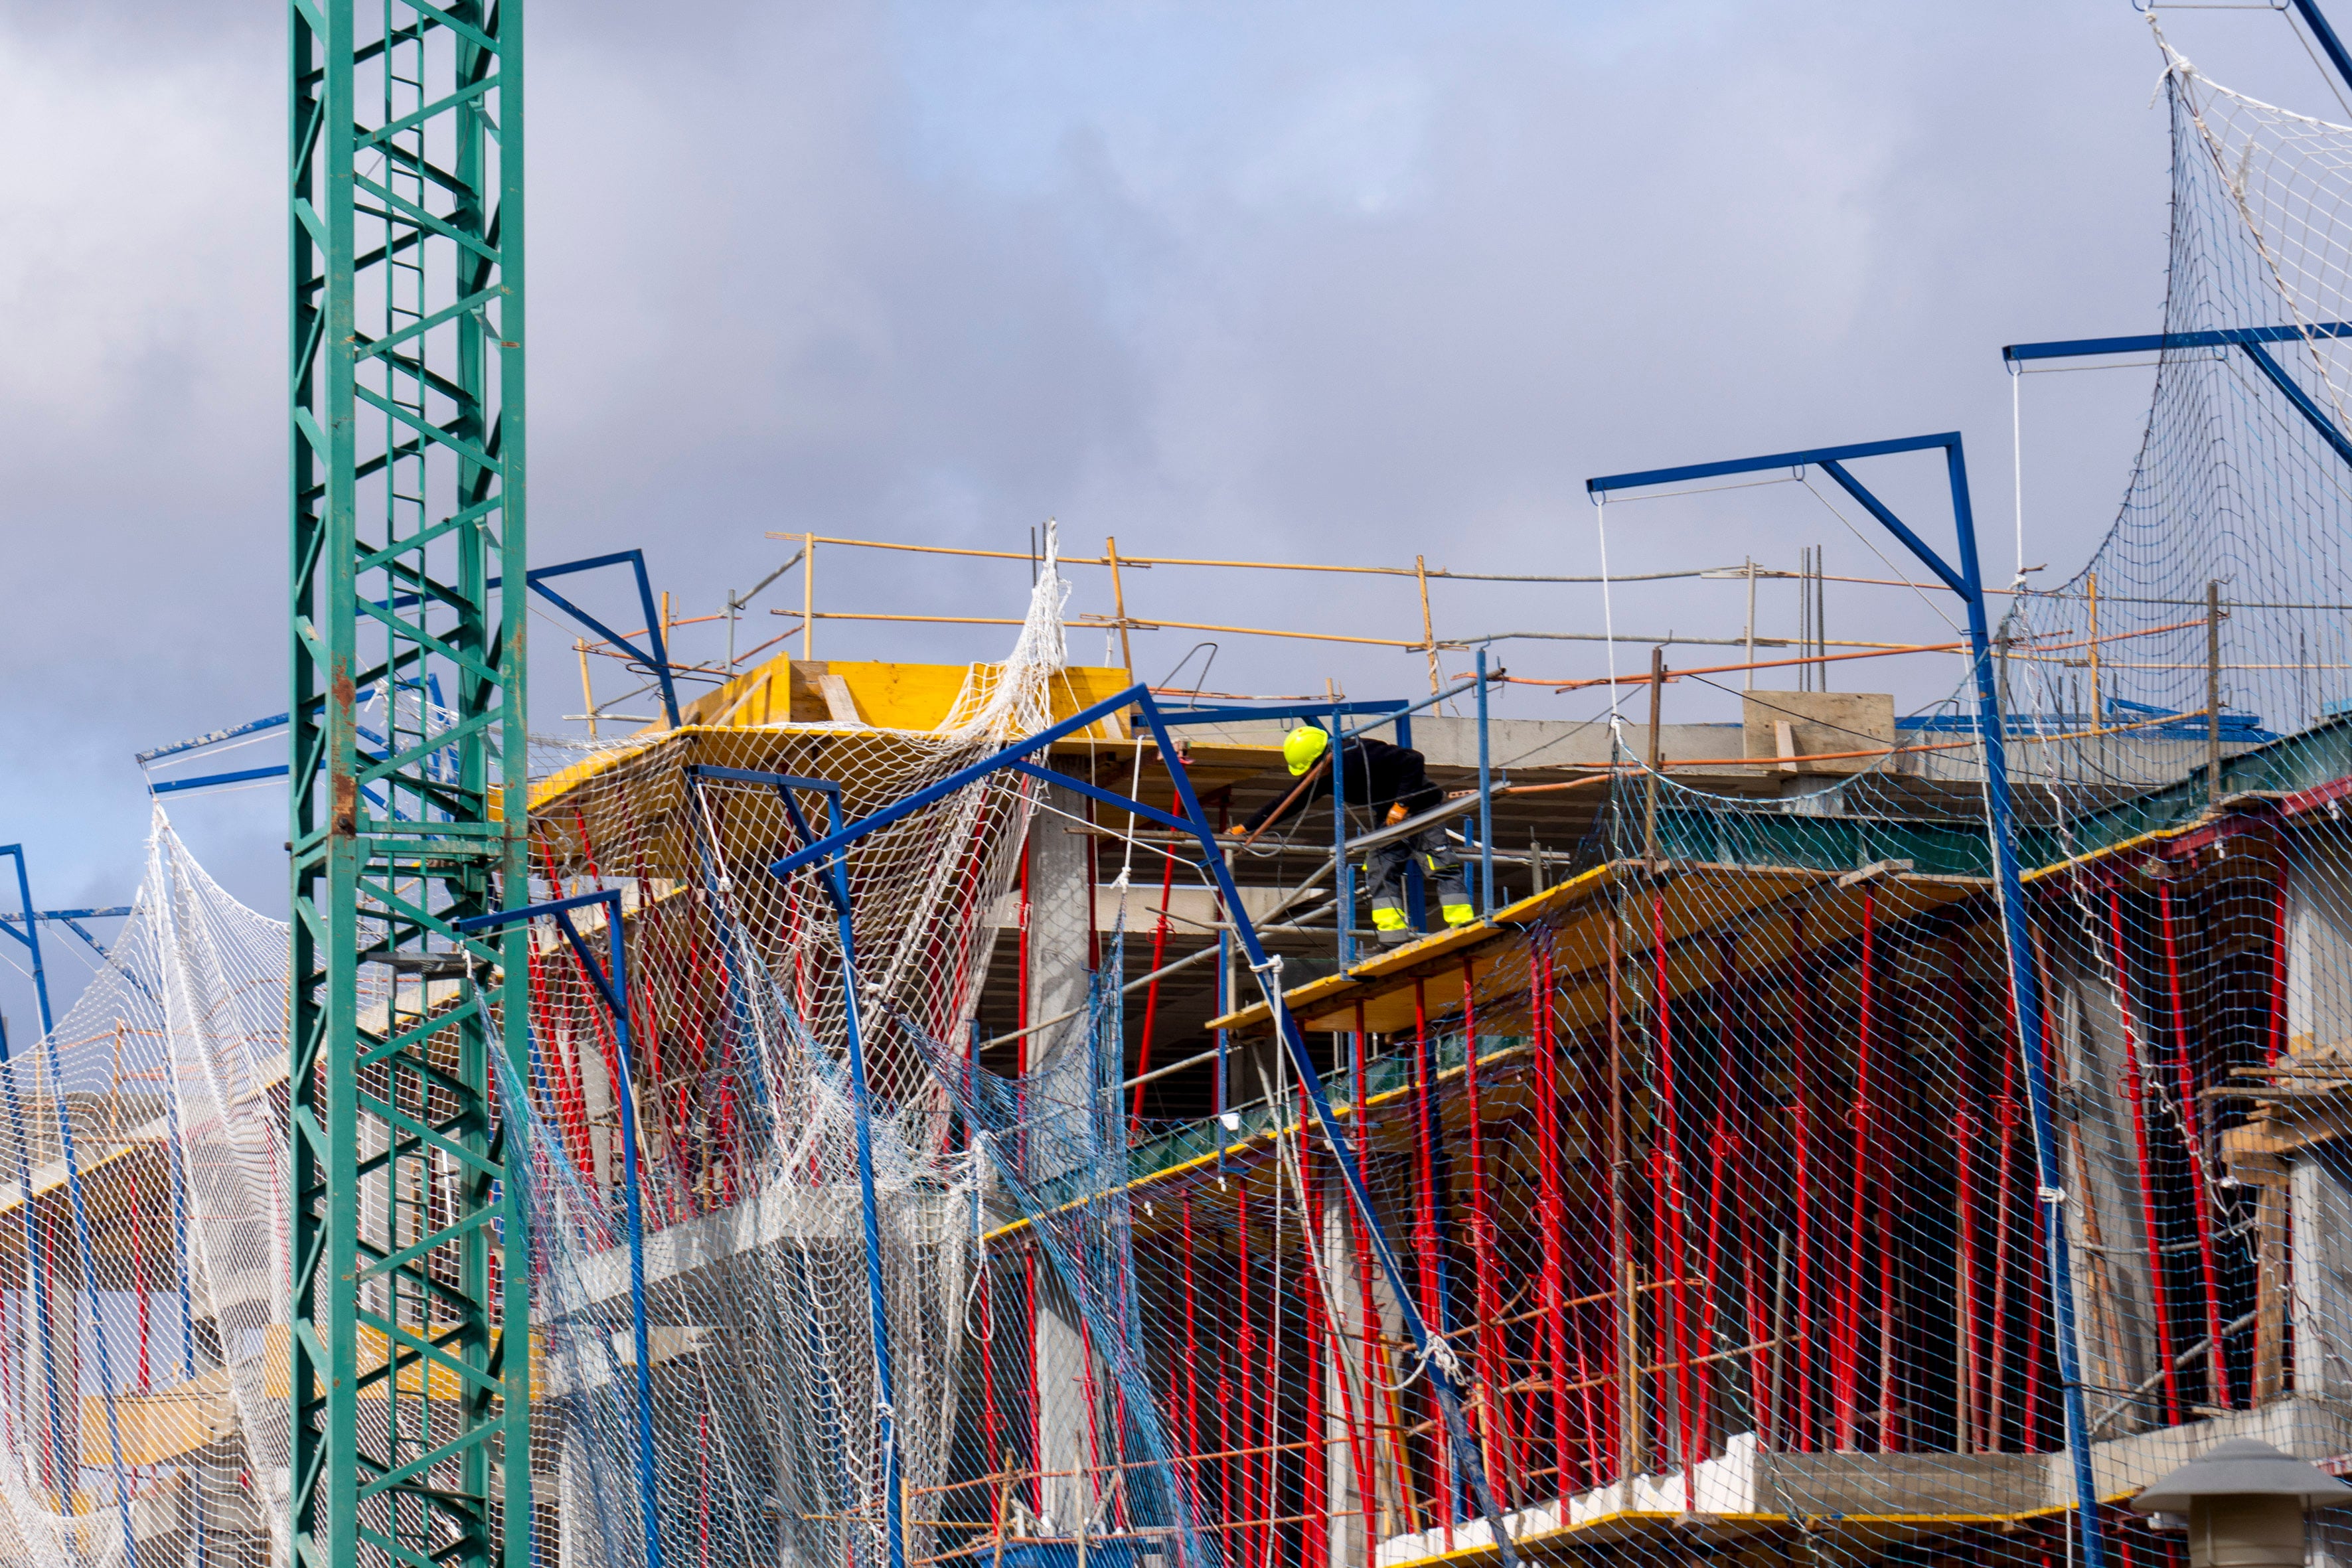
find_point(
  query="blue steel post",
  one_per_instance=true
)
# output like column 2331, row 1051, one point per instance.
column 836, row 886
column 2034, row 1048
column 861, row 1099
column 1343, row 871
column 1485, row 802
column 616, row 998
column 83, row 1242
column 38, row 1262
column 614, row 993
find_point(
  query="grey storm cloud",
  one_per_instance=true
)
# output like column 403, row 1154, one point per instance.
column 1320, row 281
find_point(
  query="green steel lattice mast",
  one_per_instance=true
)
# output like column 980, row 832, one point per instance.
column 408, row 736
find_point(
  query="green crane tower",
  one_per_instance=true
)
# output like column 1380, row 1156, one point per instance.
column 410, row 1374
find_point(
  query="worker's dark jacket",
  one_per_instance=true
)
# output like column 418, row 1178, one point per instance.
column 1378, row 775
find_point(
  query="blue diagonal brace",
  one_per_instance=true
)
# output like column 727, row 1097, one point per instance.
column 1429, row 1350
column 1095, row 792
column 2329, row 431
column 897, row 811
column 658, row 659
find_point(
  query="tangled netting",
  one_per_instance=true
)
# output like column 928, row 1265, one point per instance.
column 144, row 1353
column 763, row 1254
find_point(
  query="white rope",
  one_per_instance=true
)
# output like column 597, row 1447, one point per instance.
column 1609, row 619
column 2017, row 465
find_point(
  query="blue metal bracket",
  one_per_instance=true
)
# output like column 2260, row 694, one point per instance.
column 1304, row 712
column 1968, row 583
column 1430, row 1351
column 2249, row 339
column 198, row 742
column 72, row 919
column 657, row 661
column 614, row 992
column 836, row 885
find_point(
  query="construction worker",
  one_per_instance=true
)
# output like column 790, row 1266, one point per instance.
column 1389, row 784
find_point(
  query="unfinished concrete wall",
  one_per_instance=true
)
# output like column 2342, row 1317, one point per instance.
column 1060, row 939
column 2319, row 945
column 2321, row 1196
column 2099, row 1172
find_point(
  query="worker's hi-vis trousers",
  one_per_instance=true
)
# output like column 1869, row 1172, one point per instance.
column 1384, row 877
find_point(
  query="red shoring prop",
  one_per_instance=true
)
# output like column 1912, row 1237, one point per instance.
column 2278, row 973
column 2004, row 1202
column 1315, row 1459
column 1550, row 1214
column 1800, row 1051
column 1846, row 1348
column 1247, row 1348
column 1495, row 1442
column 1425, row 1074
column 1380, row 1380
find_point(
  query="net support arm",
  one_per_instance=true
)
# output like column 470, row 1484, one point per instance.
column 2249, row 340
column 658, row 659
column 1966, row 580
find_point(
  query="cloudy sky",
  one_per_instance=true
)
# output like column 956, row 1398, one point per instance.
column 1300, row 280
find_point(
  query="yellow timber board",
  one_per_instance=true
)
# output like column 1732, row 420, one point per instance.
column 1690, row 900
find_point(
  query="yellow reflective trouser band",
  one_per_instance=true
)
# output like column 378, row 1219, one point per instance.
column 1387, row 919
column 1459, row 914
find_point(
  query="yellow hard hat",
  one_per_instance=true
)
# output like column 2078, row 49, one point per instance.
column 1302, row 746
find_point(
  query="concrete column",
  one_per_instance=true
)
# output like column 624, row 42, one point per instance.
column 1359, row 1378
column 1060, row 938
column 51, row 1395
column 2099, row 1172
column 2318, row 1265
